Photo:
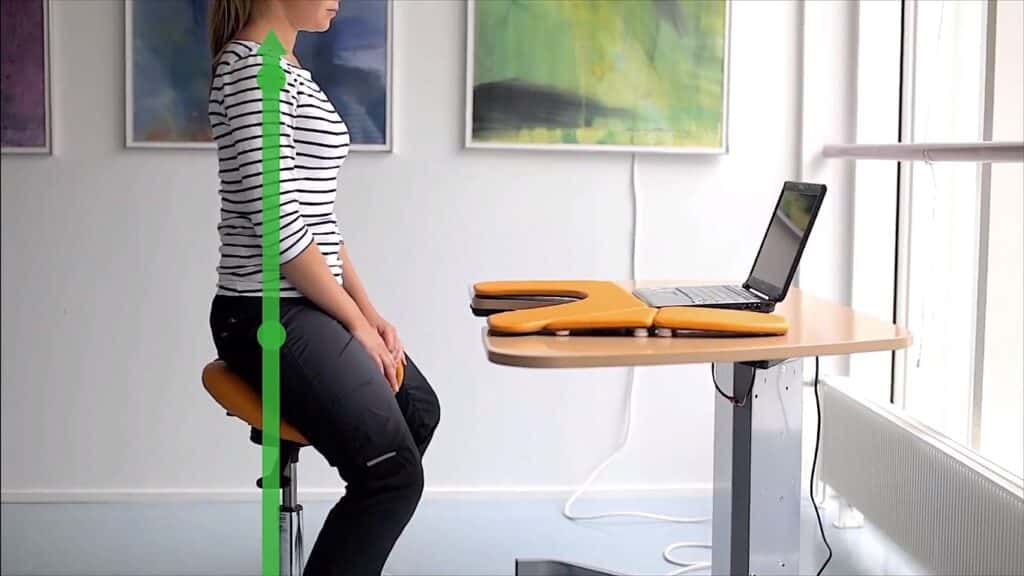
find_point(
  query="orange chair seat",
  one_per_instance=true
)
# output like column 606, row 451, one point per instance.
column 240, row 400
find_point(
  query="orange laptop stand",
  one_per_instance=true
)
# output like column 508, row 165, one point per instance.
column 608, row 306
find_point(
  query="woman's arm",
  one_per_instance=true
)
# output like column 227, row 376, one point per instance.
column 354, row 284
column 309, row 273
column 357, row 290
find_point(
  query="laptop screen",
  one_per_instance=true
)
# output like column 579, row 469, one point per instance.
column 784, row 241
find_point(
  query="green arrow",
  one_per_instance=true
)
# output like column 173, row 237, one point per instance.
column 271, row 335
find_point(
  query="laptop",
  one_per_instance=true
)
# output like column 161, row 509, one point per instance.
column 773, row 269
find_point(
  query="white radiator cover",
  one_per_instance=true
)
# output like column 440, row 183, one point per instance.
column 953, row 511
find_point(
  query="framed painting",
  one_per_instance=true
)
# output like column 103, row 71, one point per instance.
column 352, row 63
column 25, row 122
column 167, row 72
column 621, row 75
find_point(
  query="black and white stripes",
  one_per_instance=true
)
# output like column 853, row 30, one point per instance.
column 314, row 143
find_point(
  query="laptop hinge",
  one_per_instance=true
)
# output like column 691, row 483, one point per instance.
column 755, row 292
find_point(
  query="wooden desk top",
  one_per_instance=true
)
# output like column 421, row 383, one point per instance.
column 816, row 328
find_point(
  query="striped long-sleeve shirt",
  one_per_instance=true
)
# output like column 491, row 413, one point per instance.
column 314, row 143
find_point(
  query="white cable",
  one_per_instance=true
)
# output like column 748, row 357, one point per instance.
column 567, row 512
column 626, row 431
column 687, row 567
column 636, row 221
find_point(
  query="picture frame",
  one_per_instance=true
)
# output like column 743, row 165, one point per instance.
column 471, row 142
column 41, row 143
column 188, row 127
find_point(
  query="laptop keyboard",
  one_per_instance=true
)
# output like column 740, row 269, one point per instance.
column 713, row 294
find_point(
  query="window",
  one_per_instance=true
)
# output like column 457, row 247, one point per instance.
column 1002, row 423
column 938, row 246
column 943, row 221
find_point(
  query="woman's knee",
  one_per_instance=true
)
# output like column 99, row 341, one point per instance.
column 420, row 404
column 398, row 471
column 425, row 420
column 433, row 411
column 416, row 482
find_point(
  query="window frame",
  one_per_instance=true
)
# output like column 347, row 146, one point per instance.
column 906, row 151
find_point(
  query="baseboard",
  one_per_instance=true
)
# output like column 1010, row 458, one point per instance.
column 328, row 494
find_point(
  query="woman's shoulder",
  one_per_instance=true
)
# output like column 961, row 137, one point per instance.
column 237, row 54
column 242, row 53
column 238, row 65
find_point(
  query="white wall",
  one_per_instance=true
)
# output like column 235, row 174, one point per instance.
column 109, row 255
column 829, row 116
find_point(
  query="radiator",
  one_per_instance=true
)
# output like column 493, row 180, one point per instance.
column 952, row 510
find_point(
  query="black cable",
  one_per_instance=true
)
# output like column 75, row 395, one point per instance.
column 814, row 464
column 741, row 403
column 817, row 443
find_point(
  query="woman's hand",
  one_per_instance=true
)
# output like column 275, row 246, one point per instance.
column 379, row 352
column 388, row 333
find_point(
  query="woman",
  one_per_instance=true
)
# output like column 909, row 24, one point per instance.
column 338, row 362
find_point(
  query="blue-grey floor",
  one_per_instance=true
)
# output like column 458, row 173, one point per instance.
column 449, row 536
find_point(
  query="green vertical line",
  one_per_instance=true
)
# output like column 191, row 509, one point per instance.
column 271, row 79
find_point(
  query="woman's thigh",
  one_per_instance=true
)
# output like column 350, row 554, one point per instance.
column 331, row 391
column 334, row 393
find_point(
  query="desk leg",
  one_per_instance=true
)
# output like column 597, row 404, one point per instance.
column 756, row 511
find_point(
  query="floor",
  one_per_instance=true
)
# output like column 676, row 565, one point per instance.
column 449, row 536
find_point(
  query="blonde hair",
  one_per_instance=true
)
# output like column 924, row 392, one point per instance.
column 227, row 18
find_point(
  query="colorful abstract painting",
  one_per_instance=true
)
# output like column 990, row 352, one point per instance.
column 169, row 71
column 350, row 62
column 24, row 94
column 619, row 74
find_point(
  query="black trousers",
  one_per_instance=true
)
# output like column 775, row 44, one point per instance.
column 334, row 394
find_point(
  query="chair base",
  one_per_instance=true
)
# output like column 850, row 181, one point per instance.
column 292, row 555
column 290, row 517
